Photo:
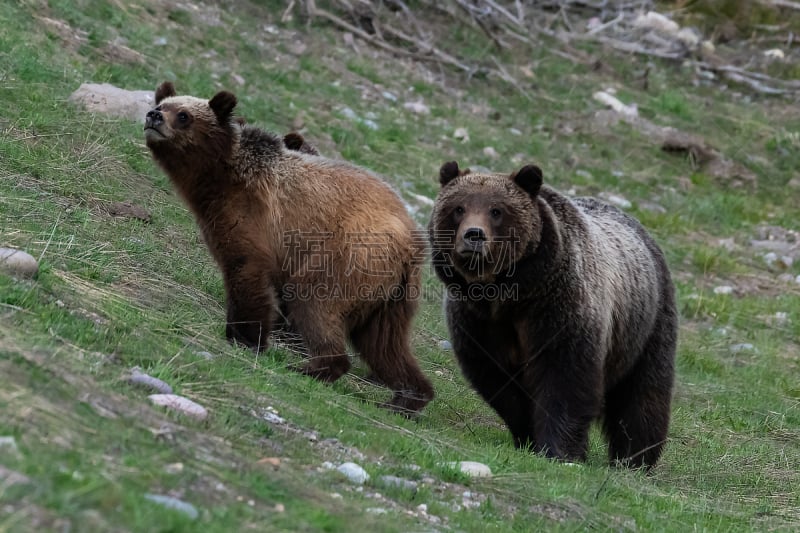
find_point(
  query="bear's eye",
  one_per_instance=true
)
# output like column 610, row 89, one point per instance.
column 495, row 212
column 183, row 116
column 459, row 210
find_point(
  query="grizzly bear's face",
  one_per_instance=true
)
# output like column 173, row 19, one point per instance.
column 483, row 223
column 186, row 123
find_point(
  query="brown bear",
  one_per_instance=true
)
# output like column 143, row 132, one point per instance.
column 561, row 311
column 326, row 243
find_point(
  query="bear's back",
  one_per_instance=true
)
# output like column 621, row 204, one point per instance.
column 625, row 273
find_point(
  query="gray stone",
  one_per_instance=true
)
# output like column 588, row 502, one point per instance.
column 174, row 503
column 139, row 378
column 445, row 345
column 10, row 477
column 17, row 262
column 107, row 99
column 394, row 481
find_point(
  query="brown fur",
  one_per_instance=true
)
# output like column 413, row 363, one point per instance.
column 264, row 210
column 561, row 311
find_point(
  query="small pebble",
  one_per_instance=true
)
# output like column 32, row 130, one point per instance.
column 353, row 472
column 180, row 404
column 17, row 262
column 376, row 510
column 445, row 345
column 490, row 152
column 417, row 107
column 174, row 503
column 461, row 134
column 389, row 96
column 272, row 418
column 723, row 289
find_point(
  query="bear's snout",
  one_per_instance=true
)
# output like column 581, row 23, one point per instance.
column 153, row 118
column 475, row 236
column 473, row 240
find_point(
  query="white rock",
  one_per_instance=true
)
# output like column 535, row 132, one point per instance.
column 514, row 131
column 780, row 319
column 689, row 37
column 743, row 347
column 723, row 289
column 174, row 503
column 353, row 472
column 107, row 99
column 417, row 107
column 180, row 404
column 728, row 244
column 422, row 508
column 657, row 22
column 461, row 134
column 618, row 201
column 18, row 262
column 272, row 418
column 615, row 104
column 471, row 468
column 489, row 151
column 8, row 444
column 376, row 510
column 371, row 124
column 445, row 345
column 774, row 53
column 797, row 280
column 389, row 96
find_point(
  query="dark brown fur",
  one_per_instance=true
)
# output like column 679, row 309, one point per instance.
column 560, row 311
column 264, row 210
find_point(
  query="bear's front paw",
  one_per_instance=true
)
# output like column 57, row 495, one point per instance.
column 251, row 335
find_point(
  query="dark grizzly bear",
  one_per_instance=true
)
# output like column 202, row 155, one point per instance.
column 561, row 311
column 326, row 243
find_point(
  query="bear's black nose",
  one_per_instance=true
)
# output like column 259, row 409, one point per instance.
column 474, row 235
column 153, row 118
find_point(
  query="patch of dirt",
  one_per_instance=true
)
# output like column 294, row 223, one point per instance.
column 128, row 210
column 72, row 38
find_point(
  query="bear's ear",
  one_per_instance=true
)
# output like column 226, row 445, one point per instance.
column 165, row 90
column 529, row 178
column 293, row 141
column 449, row 172
column 222, row 104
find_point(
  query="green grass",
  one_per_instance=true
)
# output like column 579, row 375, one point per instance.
column 116, row 293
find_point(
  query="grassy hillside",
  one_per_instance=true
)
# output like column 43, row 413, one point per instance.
column 80, row 447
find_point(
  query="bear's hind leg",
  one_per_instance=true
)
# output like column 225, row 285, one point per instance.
column 323, row 335
column 637, row 409
column 382, row 341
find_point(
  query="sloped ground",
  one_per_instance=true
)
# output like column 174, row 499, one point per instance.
column 82, row 448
